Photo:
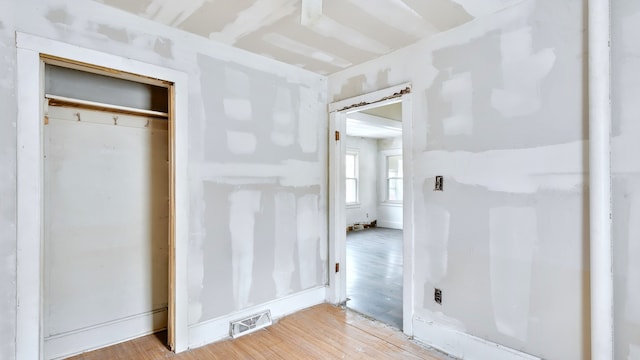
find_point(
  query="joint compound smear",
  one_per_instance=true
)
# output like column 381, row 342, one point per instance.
column 514, row 234
column 286, row 231
column 244, row 205
column 308, row 238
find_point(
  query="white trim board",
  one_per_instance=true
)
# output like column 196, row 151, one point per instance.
column 463, row 345
column 390, row 224
column 371, row 99
column 218, row 329
column 63, row 346
column 30, row 95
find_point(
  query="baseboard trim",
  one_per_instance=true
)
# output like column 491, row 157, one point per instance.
column 102, row 335
column 463, row 345
column 390, row 224
column 218, row 329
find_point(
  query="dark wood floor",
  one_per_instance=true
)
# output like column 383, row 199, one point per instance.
column 320, row 332
column 374, row 274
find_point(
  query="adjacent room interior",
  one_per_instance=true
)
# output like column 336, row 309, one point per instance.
column 373, row 200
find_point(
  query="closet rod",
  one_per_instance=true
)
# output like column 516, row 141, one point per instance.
column 56, row 100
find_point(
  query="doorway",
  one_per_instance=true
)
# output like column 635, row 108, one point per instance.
column 32, row 54
column 396, row 183
column 105, row 210
column 373, row 212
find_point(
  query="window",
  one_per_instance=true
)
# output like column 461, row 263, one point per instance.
column 351, row 174
column 394, row 178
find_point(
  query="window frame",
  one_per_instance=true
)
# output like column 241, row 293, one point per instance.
column 356, row 154
column 385, row 175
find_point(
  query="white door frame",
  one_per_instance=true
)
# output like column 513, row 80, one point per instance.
column 338, row 111
column 30, row 177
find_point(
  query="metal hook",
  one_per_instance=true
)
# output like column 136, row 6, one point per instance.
column 115, row 120
column 77, row 114
column 147, row 124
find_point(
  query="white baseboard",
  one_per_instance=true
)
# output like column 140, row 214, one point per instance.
column 390, row 224
column 95, row 337
column 462, row 345
column 218, row 329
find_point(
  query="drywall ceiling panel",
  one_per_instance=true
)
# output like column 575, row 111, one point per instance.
column 347, row 33
column 391, row 111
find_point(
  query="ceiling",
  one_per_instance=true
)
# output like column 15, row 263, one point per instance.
column 343, row 34
column 381, row 122
column 391, row 111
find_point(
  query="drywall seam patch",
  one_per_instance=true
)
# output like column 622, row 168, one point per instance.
column 520, row 171
column 632, row 309
column 513, row 235
column 240, row 142
column 522, row 74
column 459, row 92
column 308, row 237
column 255, row 17
column 285, row 239
column 244, row 205
column 436, row 229
column 288, row 173
column 305, row 50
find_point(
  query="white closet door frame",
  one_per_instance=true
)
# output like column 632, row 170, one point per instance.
column 31, row 51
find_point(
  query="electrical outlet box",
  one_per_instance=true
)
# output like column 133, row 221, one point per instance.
column 439, row 185
column 437, row 296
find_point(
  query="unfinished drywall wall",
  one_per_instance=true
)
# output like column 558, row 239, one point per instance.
column 257, row 135
column 261, row 142
column 366, row 210
column 498, row 111
column 626, row 176
column 8, row 113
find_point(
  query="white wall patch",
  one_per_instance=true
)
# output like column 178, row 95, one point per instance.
column 522, row 73
column 513, row 235
column 238, row 109
column 244, row 205
column 241, row 142
column 436, row 226
column 632, row 310
column 285, row 238
column 634, row 352
column 522, row 171
column 283, row 133
column 308, row 237
column 237, row 103
column 307, row 124
column 459, row 92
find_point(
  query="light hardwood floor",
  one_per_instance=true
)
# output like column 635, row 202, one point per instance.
column 320, row 332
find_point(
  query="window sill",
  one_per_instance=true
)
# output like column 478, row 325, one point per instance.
column 391, row 203
column 353, row 206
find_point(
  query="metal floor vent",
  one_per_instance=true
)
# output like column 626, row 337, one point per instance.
column 248, row 325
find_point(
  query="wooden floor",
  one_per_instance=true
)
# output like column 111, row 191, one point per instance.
column 320, row 332
column 374, row 274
